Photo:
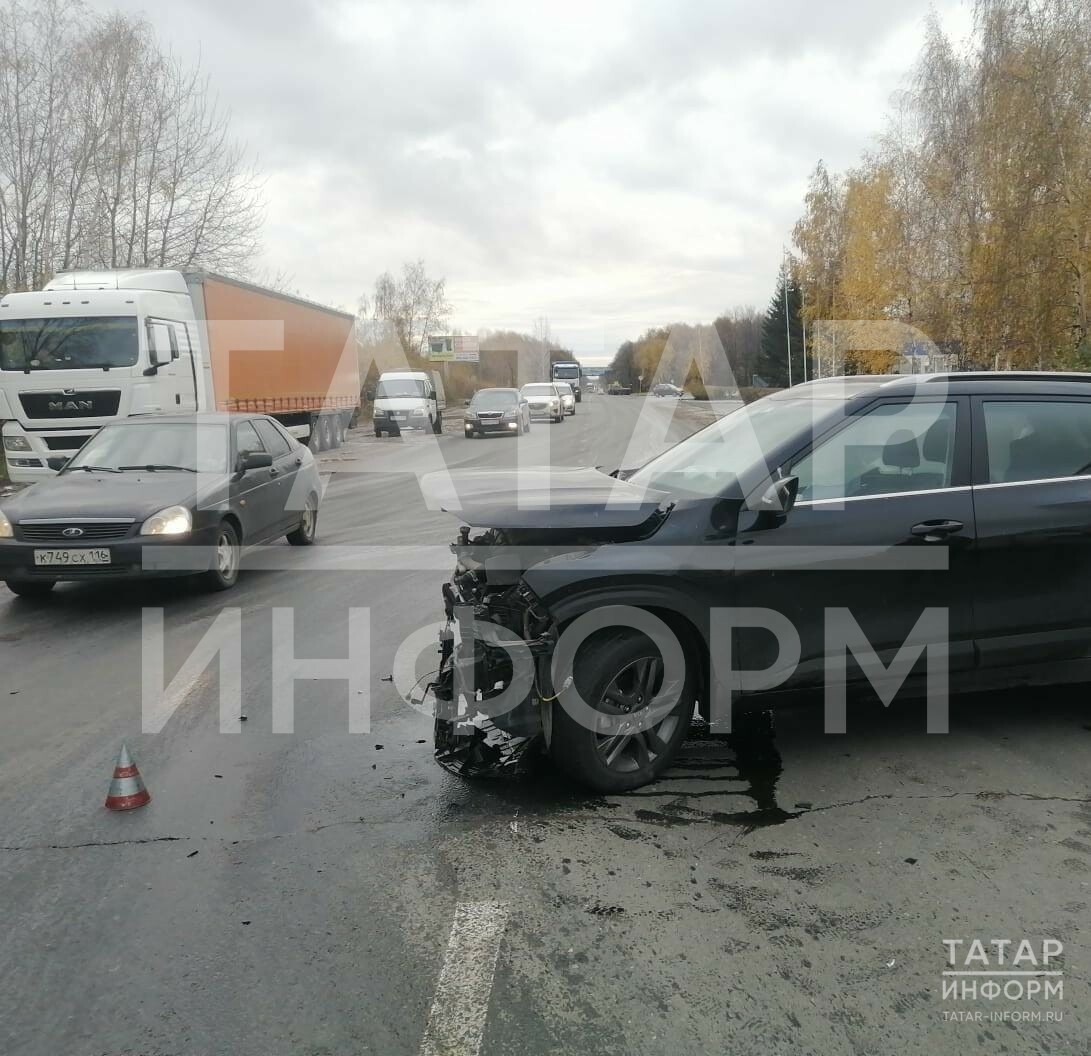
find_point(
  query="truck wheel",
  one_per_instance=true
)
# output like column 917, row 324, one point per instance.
column 327, row 432
column 437, row 425
column 224, row 572
column 378, row 431
column 31, row 590
column 335, row 432
column 616, row 672
column 308, row 524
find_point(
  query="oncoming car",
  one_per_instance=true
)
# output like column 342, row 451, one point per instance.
column 169, row 496
column 568, row 397
column 545, row 400
column 756, row 559
column 503, row 411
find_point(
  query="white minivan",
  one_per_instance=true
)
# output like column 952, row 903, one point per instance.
column 409, row 399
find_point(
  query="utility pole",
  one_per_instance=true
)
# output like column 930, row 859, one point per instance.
column 803, row 328
column 787, row 329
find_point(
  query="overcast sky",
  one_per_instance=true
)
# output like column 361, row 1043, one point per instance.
column 609, row 165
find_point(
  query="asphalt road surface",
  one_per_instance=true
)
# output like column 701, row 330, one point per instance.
column 325, row 892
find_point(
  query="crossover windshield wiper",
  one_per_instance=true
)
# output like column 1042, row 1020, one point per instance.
column 152, row 467
column 92, row 469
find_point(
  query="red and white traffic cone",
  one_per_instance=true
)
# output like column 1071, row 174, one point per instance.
column 127, row 791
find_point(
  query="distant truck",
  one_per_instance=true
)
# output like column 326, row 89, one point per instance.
column 96, row 346
column 569, row 370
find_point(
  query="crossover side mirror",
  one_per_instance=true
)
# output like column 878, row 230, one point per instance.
column 776, row 502
column 780, row 496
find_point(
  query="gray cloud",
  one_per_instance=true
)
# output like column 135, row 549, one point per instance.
column 606, row 161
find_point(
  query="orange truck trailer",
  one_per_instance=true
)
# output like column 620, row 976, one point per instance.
column 92, row 347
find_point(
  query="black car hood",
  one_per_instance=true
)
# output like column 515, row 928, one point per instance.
column 542, row 498
column 131, row 494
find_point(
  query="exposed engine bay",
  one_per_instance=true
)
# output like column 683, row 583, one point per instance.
column 489, row 716
column 485, row 594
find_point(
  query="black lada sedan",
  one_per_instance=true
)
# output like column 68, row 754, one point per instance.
column 164, row 496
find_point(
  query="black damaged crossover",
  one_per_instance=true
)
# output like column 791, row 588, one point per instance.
column 791, row 546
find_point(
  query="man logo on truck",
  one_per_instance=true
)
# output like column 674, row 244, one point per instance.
column 71, row 405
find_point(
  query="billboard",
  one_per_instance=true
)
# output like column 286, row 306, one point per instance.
column 450, row 348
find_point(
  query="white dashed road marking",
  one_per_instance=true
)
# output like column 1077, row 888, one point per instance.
column 456, row 1024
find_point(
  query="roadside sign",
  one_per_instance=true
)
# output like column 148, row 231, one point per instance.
column 441, row 349
column 448, row 348
column 467, row 350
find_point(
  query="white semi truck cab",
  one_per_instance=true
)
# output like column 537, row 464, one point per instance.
column 95, row 346
column 89, row 348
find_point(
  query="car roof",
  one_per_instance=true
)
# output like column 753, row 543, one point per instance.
column 985, row 382
column 497, row 388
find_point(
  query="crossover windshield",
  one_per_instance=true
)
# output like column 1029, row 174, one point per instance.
column 69, row 343
column 738, row 447
column 182, row 446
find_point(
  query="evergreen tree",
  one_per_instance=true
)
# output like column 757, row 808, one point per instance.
column 772, row 363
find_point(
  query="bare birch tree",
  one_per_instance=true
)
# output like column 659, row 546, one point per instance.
column 112, row 152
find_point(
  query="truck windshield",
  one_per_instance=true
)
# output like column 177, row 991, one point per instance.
column 395, row 387
column 567, row 371
column 187, row 446
column 68, row 343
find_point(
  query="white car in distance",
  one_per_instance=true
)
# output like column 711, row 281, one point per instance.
column 545, row 400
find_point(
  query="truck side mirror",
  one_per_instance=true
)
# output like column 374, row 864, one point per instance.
column 159, row 350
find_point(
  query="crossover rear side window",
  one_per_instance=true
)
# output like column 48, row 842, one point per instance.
column 1037, row 439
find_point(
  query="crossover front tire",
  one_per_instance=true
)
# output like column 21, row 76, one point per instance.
column 617, row 671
